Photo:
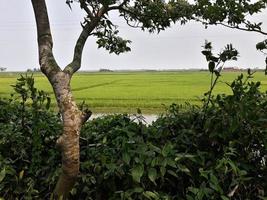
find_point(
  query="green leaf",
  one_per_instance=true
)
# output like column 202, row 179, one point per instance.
column 155, row 148
column 171, row 162
column 155, row 162
column 152, row 174
column 104, row 140
column 2, row 174
column 193, row 190
column 204, row 173
column 138, row 190
column 172, row 173
column 260, row 46
column 224, row 197
column 214, row 179
column 150, row 195
column 137, row 172
column 183, row 168
column 214, row 183
column 162, row 171
column 166, row 149
column 233, row 166
column 126, row 158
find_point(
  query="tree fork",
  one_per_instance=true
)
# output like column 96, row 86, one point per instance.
column 72, row 117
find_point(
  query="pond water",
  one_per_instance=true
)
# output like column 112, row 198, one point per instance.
column 148, row 119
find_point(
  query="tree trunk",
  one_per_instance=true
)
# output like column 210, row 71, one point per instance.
column 68, row 142
column 72, row 117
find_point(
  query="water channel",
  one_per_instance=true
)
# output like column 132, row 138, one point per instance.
column 148, row 119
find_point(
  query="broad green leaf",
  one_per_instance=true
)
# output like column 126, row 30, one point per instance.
column 204, row 173
column 183, row 168
column 152, row 174
column 180, row 156
column 162, row 171
column 155, row 162
column 171, row 162
column 151, row 195
column 172, row 173
column 138, row 190
column 137, row 172
column 166, row 149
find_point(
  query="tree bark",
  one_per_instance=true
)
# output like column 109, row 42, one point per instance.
column 68, row 142
column 72, row 117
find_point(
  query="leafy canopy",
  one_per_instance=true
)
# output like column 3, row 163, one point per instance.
column 157, row 15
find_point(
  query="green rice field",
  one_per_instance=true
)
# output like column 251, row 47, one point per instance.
column 127, row 91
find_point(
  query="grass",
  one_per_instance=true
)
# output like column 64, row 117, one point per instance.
column 125, row 92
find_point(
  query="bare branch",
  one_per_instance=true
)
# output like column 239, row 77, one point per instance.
column 86, row 32
column 128, row 23
column 118, row 7
column 77, row 57
column 102, row 11
column 87, row 10
column 85, row 115
column 242, row 29
column 232, row 27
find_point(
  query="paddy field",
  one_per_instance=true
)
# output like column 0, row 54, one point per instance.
column 109, row 92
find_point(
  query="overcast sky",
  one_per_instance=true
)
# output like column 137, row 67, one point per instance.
column 177, row 48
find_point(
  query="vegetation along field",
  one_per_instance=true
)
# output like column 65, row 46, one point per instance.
column 127, row 91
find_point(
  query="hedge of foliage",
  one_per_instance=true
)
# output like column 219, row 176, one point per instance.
column 217, row 151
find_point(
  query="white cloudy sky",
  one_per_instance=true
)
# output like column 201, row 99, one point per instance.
column 177, row 48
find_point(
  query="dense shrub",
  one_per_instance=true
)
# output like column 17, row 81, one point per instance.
column 214, row 152
column 28, row 131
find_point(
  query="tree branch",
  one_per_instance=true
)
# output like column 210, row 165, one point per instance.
column 86, row 32
column 242, row 29
column 232, row 27
column 118, row 7
column 87, row 10
column 45, row 41
column 128, row 23
column 86, row 114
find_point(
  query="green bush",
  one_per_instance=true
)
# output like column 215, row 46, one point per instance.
column 28, row 131
column 217, row 151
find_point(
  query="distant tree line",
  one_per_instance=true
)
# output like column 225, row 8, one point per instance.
column 105, row 70
column 33, row 70
column 2, row 69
